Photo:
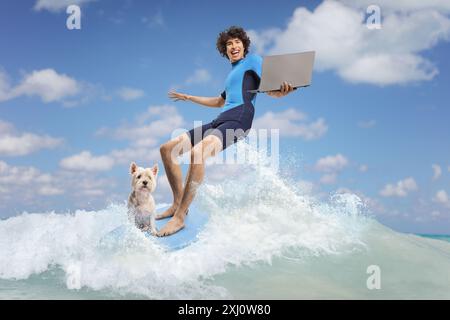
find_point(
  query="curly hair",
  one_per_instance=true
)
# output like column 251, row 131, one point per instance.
column 231, row 33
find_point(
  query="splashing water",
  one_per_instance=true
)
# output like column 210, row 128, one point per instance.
column 265, row 239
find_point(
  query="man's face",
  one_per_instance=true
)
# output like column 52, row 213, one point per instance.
column 235, row 49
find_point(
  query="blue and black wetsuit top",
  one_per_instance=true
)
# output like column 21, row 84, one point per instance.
column 245, row 75
column 239, row 110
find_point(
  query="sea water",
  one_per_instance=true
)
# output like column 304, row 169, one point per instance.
column 266, row 239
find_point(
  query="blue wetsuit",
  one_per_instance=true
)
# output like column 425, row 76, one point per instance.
column 234, row 122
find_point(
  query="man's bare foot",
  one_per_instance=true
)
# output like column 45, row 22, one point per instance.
column 168, row 213
column 175, row 224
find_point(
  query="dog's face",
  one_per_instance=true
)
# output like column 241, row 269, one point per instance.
column 143, row 179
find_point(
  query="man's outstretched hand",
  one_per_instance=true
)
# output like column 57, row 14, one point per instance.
column 175, row 96
column 285, row 89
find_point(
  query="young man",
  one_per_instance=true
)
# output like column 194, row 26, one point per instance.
column 211, row 138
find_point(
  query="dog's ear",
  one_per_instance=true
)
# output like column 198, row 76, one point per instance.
column 133, row 168
column 155, row 169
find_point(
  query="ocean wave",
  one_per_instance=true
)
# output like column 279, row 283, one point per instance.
column 256, row 220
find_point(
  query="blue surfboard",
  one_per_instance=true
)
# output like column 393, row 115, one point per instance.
column 194, row 223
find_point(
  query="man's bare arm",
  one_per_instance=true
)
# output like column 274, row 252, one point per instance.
column 213, row 102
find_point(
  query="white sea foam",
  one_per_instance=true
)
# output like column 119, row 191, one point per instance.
column 256, row 221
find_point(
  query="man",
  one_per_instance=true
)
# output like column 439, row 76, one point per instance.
column 211, row 138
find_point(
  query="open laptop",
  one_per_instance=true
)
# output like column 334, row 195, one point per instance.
column 295, row 68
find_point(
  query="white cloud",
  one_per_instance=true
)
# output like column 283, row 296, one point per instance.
column 128, row 94
column 57, row 5
column 437, row 171
column 86, row 184
column 363, row 168
column 25, row 144
column 84, row 161
column 27, row 187
column 367, row 124
column 291, row 123
column 6, row 127
column 157, row 20
column 435, row 214
column 331, row 164
column 149, row 129
column 442, row 198
column 20, row 144
column 145, row 133
column 46, row 84
column 200, row 76
column 386, row 69
column 329, row 178
column 144, row 156
column 402, row 5
column 17, row 175
column 50, row 191
column 343, row 43
column 401, row 189
column 93, row 192
column 26, row 181
column 261, row 40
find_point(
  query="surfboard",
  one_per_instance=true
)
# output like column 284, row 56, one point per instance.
column 194, row 222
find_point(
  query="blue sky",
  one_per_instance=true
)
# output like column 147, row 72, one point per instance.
column 77, row 105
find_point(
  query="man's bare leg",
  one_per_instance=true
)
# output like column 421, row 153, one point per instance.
column 208, row 147
column 169, row 153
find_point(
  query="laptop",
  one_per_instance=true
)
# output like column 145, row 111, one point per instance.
column 295, row 68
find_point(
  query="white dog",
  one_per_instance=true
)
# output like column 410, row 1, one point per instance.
column 141, row 206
